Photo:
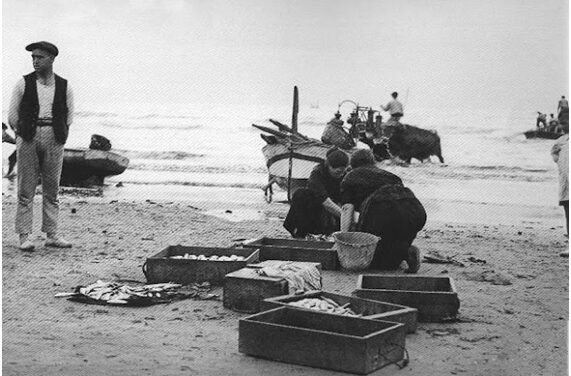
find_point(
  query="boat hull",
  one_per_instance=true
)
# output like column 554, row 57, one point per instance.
column 88, row 165
column 304, row 157
column 542, row 134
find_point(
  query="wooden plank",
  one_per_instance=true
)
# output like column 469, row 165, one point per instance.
column 314, row 339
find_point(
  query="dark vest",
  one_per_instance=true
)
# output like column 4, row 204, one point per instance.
column 30, row 108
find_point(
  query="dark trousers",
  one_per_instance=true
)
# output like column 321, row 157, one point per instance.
column 396, row 222
column 306, row 215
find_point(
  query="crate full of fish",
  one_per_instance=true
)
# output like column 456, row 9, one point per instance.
column 348, row 306
column 185, row 265
column 340, row 343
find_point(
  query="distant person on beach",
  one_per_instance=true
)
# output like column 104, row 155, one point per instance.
column 335, row 135
column 315, row 209
column 541, row 121
column 387, row 209
column 560, row 154
column 395, row 108
column 563, row 103
column 11, row 140
column 553, row 124
column 41, row 111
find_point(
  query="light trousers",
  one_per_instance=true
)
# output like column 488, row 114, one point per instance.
column 40, row 157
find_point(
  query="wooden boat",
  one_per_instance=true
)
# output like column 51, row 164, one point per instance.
column 542, row 134
column 290, row 156
column 88, row 166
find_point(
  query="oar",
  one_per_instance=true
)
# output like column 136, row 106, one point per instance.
column 285, row 128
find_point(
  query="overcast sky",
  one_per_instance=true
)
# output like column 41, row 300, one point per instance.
column 476, row 53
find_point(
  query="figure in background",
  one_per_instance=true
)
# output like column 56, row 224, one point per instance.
column 560, row 154
column 41, row 111
column 335, row 135
column 553, row 124
column 11, row 140
column 315, row 209
column 395, row 108
column 563, row 104
column 541, row 122
column 386, row 208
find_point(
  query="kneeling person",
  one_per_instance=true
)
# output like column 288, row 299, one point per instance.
column 315, row 209
column 386, row 208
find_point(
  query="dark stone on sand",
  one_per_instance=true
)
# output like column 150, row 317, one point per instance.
column 73, row 210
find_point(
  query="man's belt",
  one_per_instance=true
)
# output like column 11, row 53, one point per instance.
column 44, row 123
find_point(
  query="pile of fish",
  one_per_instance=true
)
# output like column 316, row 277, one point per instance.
column 188, row 256
column 115, row 293
column 324, row 304
column 320, row 237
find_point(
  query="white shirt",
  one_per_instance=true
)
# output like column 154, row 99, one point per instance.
column 560, row 154
column 394, row 107
column 46, row 95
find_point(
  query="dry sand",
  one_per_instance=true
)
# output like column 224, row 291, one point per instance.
column 513, row 313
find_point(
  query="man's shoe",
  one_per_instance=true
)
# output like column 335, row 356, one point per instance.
column 57, row 243
column 27, row 245
column 413, row 260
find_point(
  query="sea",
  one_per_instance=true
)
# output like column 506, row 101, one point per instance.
column 210, row 153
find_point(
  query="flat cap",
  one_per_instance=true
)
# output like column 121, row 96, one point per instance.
column 43, row 45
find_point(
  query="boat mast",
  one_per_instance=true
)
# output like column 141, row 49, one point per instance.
column 295, row 109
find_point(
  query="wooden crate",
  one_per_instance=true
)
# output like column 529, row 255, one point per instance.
column 160, row 268
column 340, row 343
column 370, row 309
column 296, row 250
column 245, row 289
column 434, row 297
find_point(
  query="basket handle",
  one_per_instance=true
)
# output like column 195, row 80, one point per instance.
column 145, row 271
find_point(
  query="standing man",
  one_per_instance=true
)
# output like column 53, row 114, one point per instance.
column 560, row 154
column 395, row 108
column 562, row 104
column 41, row 111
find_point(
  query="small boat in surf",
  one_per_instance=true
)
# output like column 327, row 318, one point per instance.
column 85, row 166
column 542, row 134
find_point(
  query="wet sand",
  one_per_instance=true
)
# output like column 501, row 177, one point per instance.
column 513, row 313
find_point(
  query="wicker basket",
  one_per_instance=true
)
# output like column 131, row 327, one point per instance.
column 355, row 249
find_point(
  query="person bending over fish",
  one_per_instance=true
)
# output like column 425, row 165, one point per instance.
column 387, row 209
column 315, row 209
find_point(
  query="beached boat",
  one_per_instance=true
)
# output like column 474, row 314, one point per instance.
column 89, row 166
column 542, row 134
column 290, row 156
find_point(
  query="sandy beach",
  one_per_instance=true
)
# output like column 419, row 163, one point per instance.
column 513, row 314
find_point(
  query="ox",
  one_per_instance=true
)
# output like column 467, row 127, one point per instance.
column 407, row 142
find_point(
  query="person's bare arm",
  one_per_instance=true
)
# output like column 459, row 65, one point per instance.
column 332, row 207
column 347, row 213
